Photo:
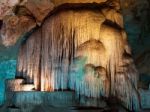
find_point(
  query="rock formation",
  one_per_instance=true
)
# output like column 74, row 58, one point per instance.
column 74, row 45
column 6, row 7
column 136, row 16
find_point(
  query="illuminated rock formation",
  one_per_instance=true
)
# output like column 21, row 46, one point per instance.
column 14, row 27
column 6, row 7
column 80, row 46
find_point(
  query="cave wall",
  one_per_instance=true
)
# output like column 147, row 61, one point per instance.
column 135, row 21
column 137, row 24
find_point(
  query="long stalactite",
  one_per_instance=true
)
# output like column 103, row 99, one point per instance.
column 83, row 48
column 83, row 51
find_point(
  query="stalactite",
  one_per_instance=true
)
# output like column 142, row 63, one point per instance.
column 81, row 47
column 29, row 60
column 83, row 51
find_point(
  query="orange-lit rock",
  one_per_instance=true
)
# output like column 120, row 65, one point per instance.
column 6, row 7
column 14, row 27
column 39, row 9
column 80, row 46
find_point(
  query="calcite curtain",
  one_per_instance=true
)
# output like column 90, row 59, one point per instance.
column 78, row 46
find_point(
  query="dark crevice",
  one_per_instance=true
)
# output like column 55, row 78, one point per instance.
column 78, row 7
column 21, row 10
column 112, row 24
column 1, row 23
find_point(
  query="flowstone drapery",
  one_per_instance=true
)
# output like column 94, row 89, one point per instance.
column 80, row 46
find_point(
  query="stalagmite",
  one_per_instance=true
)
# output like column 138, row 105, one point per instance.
column 80, row 47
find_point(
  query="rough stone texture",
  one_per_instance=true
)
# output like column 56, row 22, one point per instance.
column 140, row 65
column 136, row 16
column 93, row 40
column 37, row 10
column 6, row 7
column 60, row 101
column 18, row 85
column 136, row 19
column 145, row 99
column 14, row 84
column 14, row 27
column 143, row 62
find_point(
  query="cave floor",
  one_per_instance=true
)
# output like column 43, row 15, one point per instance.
column 46, row 108
column 56, row 102
column 34, row 101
